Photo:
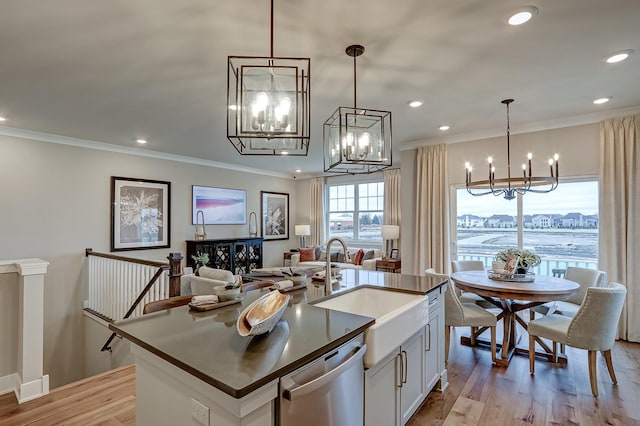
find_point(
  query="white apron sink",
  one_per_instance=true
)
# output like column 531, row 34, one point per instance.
column 398, row 316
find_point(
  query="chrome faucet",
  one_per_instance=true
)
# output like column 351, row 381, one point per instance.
column 327, row 278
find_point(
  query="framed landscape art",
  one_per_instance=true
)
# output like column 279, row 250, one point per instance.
column 221, row 206
column 140, row 214
column 274, row 209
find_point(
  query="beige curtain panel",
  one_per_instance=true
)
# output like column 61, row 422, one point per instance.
column 316, row 213
column 431, row 245
column 619, row 230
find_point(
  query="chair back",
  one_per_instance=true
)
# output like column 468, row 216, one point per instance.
column 161, row 305
column 596, row 323
column 466, row 265
column 453, row 312
column 585, row 278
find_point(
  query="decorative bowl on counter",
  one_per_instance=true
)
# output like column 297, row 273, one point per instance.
column 263, row 314
column 225, row 294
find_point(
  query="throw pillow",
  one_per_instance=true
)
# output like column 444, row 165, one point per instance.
column 370, row 254
column 357, row 258
column 307, row 254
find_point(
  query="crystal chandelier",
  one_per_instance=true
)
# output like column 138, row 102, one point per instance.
column 357, row 140
column 268, row 104
column 512, row 185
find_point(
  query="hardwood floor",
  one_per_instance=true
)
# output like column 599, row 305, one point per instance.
column 478, row 394
column 106, row 399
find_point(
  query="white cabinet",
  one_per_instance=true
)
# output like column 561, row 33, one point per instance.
column 435, row 372
column 395, row 387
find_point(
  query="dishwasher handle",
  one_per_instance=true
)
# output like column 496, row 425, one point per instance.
column 318, row 382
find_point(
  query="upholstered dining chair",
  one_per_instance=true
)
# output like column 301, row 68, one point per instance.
column 463, row 314
column 585, row 278
column 592, row 328
column 466, row 296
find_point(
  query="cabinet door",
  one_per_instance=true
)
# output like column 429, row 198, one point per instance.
column 413, row 385
column 433, row 343
column 222, row 256
column 240, row 256
column 382, row 392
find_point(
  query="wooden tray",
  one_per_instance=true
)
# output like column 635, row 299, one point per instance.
column 210, row 306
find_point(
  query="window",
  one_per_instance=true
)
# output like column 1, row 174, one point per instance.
column 355, row 211
column 560, row 226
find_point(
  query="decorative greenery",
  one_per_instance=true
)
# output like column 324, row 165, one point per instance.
column 201, row 259
column 526, row 258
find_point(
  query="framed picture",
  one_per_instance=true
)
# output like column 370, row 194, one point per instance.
column 140, row 214
column 220, row 206
column 274, row 210
column 394, row 254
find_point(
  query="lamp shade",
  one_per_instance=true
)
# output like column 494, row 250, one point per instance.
column 390, row 232
column 303, row 230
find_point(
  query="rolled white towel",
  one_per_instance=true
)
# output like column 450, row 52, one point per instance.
column 204, row 299
column 281, row 285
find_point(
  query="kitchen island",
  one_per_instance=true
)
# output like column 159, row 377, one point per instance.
column 194, row 367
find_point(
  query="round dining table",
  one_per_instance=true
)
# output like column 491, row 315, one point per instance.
column 511, row 297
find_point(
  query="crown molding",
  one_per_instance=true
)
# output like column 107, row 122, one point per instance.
column 558, row 123
column 85, row 143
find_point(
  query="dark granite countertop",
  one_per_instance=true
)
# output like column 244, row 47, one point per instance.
column 208, row 346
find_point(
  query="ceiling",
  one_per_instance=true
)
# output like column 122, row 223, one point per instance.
column 113, row 71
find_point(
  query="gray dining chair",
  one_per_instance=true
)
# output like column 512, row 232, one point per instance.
column 593, row 328
column 466, row 296
column 585, row 278
column 463, row 314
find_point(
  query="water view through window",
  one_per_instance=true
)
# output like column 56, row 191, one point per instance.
column 560, row 226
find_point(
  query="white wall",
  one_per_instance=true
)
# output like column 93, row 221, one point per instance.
column 55, row 203
column 9, row 291
column 577, row 146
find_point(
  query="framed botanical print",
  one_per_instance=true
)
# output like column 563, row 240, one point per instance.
column 274, row 209
column 140, row 214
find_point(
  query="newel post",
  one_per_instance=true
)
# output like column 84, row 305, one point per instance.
column 175, row 272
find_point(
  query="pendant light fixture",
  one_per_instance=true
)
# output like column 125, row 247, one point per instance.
column 357, row 140
column 268, row 103
column 512, row 185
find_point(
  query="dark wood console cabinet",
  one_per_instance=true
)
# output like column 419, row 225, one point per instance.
column 240, row 256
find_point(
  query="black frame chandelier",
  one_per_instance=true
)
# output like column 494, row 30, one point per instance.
column 268, row 103
column 512, row 185
column 357, row 140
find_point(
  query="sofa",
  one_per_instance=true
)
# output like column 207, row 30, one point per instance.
column 317, row 256
column 205, row 281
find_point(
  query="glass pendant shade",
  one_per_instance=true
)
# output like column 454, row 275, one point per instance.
column 268, row 105
column 357, row 141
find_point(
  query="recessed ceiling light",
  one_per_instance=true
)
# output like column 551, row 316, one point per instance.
column 415, row 104
column 298, row 170
column 444, row 127
column 141, row 141
column 233, row 107
column 3, row 119
column 601, row 101
column 285, row 152
column 522, row 15
column 619, row 56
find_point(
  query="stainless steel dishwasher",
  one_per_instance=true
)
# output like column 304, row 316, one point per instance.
column 326, row 392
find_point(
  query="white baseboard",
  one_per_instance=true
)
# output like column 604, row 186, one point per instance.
column 24, row 391
column 8, row 383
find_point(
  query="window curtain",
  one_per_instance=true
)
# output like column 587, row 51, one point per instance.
column 431, row 244
column 316, row 213
column 391, row 211
column 619, row 230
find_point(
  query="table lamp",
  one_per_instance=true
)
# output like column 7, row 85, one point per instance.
column 390, row 233
column 302, row 231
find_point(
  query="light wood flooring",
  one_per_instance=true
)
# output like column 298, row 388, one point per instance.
column 478, row 394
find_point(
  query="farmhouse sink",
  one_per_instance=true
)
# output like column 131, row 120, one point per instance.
column 398, row 316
